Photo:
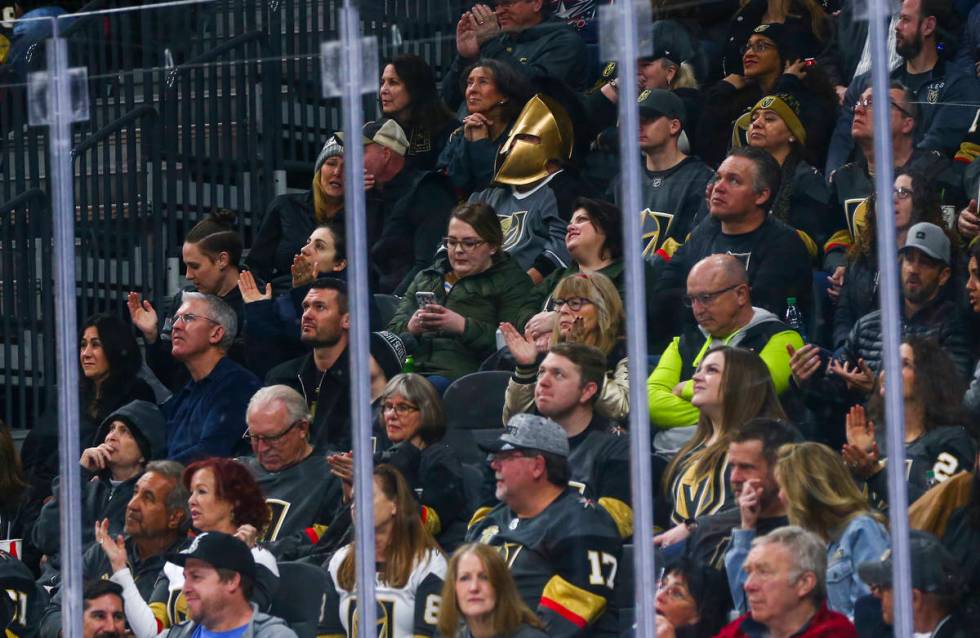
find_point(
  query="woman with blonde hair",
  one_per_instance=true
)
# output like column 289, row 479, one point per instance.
column 410, row 565
column 480, row 599
column 820, row 496
column 590, row 311
column 731, row 387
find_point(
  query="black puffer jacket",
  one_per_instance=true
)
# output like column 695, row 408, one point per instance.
column 858, row 297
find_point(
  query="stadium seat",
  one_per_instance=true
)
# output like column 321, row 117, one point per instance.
column 474, row 410
column 386, row 306
column 300, row 596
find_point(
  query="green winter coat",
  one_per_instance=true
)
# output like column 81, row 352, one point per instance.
column 485, row 300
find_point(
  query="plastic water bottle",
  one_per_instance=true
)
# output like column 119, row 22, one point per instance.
column 409, row 364
column 794, row 317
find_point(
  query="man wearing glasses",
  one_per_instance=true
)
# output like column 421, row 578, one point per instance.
column 720, row 299
column 207, row 416
column 302, row 494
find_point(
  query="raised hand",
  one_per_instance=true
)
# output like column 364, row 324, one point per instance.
column 859, row 377
column 113, row 548
column 250, row 290
column 803, row 363
column 521, row 347
column 303, row 271
column 96, row 459
column 968, row 223
column 836, row 282
column 247, row 534
column 144, row 316
column 486, row 27
column 859, row 429
column 749, row 503
column 467, row 44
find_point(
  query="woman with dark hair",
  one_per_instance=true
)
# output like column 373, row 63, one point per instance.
column 692, row 600
column 480, row 599
column 453, row 307
column 291, row 218
column 13, row 487
column 410, row 566
column 803, row 200
column 495, row 94
column 731, row 386
column 211, row 253
column 224, row 497
column 937, row 446
column 415, row 424
column 408, row 95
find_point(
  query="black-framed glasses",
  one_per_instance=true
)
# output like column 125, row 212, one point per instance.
column 271, row 439
column 450, row 243
column 401, row 409
column 574, row 303
column 901, row 192
column 706, row 298
column 756, row 47
column 868, row 102
column 189, row 317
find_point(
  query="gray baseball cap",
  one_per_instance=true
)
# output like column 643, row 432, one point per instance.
column 530, row 432
column 934, row 570
column 930, row 239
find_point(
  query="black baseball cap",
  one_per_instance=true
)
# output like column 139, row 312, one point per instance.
column 934, row 570
column 656, row 102
column 221, row 551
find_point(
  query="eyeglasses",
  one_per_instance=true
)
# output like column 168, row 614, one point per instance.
column 706, row 298
column 574, row 303
column 401, row 409
column 868, row 102
column 901, row 192
column 756, row 47
column 188, row 318
column 272, row 439
column 675, row 592
column 508, row 455
column 450, row 243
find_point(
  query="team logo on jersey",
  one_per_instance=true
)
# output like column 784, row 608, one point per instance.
column 488, row 534
column 513, row 227
column 932, row 96
column 421, row 141
column 658, row 182
column 856, row 214
column 609, row 70
column 655, row 226
column 386, row 612
column 279, row 509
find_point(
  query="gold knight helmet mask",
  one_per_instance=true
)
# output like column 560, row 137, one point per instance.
column 522, row 161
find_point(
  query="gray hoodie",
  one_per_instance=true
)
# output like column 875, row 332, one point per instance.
column 260, row 626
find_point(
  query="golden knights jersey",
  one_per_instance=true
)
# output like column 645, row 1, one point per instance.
column 564, row 562
column 412, row 610
column 27, row 600
column 699, row 493
column 600, row 471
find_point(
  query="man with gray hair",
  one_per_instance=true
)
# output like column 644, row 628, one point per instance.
column 786, row 589
column 302, row 494
column 157, row 519
column 562, row 549
column 207, row 416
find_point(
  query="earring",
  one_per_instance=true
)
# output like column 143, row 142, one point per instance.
column 792, row 139
column 502, row 102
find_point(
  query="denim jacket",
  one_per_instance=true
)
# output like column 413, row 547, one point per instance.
column 864, row 539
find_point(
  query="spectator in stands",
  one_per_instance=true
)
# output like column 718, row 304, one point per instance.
column 731, row 386
column 926, row 310
column 720, row 298
column 323, row 375
column 937, row 585
column 803, row 199
column 273, row 316
column 533, row 191
column 14, row 488
column 773, row 57
column 692, row 601
column 567, row 388
column 207, row 416
column 157, row 517
column 125, row 442
column 971, row 400
column 406, row 207
column 855, row 284
column 594, row 239
column 224, row 499
column 937, row 445
column 805, row 20
column 102, row 610
column 415, row 424
column 540, row 512
column 411, row 567
column 752, row 456
column 776, row 259
column 944, row 93
column 821, row 497
column 521, row 34
column 786, row 587
column 495, row 94
column 25, row 600
column 589, row 312
column 302, row 496
column 476, row 287
column 219, row 573
column 408, row 95
column 673, row 182
column 211, row 252
column 480, row 593
column 293, row 217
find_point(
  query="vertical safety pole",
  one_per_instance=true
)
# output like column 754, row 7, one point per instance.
column 890, row 320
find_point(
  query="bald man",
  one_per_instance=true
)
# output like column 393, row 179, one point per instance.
column 718, row 294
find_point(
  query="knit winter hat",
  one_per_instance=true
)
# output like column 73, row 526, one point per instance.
column 331, row 148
